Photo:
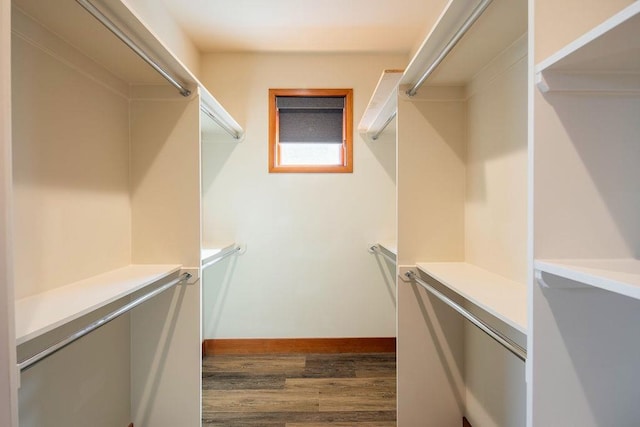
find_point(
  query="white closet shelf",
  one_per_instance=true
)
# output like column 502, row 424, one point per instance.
column 621, row 276
column 605, row 59
column 498, row 296
column 382, row 105
column 69, row 21
column 211, row 252
column 389, row 246
column 41, row 313
column 501, row 24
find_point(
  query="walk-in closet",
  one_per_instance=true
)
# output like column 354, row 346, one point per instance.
column 470, row 257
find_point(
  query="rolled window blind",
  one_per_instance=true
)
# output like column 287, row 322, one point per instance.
column 310, row 119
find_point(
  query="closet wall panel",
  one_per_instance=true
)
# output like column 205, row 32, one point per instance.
column 70, row 167
column 432, row 174
column 165, row 177
column 86, row 384
column 165, row 194
column 71, row 218
column 496, row 226
column 431, row 226
column 496, row 173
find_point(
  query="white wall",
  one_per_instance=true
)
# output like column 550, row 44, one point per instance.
column 306, row 272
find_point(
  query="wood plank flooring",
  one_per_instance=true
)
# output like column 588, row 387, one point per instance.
column 299, row 390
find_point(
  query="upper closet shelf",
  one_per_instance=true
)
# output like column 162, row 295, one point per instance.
column 41, row 313
column 606, row 59
column 116, row 38
column 382, row 106
column 464, row 40
column 621, row 276
column 498, row 296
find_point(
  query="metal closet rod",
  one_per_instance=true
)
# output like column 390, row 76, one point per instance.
column 28, row 363
column 222, row 255
column 104, row 20
column 468, row 23
column 376, row 249
column 376, row 135
column 506, row 342
column 234, row 133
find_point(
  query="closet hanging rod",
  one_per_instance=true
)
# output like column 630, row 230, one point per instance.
column 468, row 23
column 506, row 342
column 376, row 249
column 222, row 255
column 234, row 133
column 29, row 362
column 376, row 135
column 104, row 20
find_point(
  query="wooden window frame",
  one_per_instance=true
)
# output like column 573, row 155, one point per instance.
column 347, row 140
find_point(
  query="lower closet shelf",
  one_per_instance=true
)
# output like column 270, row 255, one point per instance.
column 211, row 255
column 498, row 296
column 621, row 276
column 41, row 313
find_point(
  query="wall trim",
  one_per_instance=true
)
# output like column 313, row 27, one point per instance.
column 214, row 347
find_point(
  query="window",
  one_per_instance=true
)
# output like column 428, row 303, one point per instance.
column 310, row 130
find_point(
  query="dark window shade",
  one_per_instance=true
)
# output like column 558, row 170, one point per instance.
column 312, row 102
column 310, row 119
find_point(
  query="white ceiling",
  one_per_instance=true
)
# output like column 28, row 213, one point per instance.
column 306, row 25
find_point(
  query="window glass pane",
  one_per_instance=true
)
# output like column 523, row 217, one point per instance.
column 312, row 154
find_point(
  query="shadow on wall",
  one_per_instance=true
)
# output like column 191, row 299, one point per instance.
column 600, row 349
column 162, row 313
column 384, row 149
column 388, row 272
column 215, row 288
column 217, row 146
column 610, row 161
column 446, row 336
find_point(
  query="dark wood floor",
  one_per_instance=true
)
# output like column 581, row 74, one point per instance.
column 305, row 390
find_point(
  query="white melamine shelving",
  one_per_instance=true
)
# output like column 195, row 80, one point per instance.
column 41, row 313
column 389, row 246
column 607, row 58
column 621, row 276
column 383, row 103
column 498, row 296
column 211, row 252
